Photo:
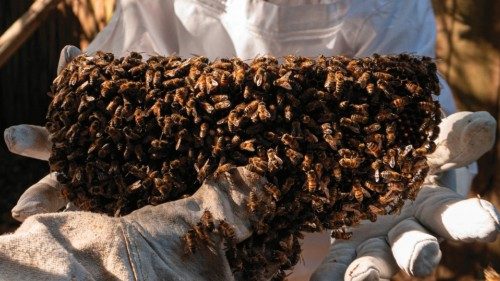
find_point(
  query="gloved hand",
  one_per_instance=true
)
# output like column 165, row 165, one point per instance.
column 410, row 240
column 33, row 141
column 144, row 245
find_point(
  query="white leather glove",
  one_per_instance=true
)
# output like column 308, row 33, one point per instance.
column 410, row 240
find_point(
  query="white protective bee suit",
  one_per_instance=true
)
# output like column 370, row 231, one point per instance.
column 145, row 245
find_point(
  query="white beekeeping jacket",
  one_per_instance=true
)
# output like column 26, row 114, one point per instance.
column 247, row 28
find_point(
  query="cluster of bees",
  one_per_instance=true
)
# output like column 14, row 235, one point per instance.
column 338, row 139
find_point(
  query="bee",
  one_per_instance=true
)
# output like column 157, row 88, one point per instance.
column 350, row 124
column 341, row 234
column 264, row 114
column 307, row 162
column 351, row 162
column 400, row 103
column 337, row 172
column 189, row 240
column 414, row 88
column 288, row 113
column 138, row 70
column 203, row 130
column 371, row 89
column 294, row 156
column 360, row 108
column 373, row 149
column 376, row 187
column 426, row 148
column 289, row 141
column 253, row 202
column 227, row 231
column 203, row 170
column 218, row 146
column 248, row 145
column 273, row 191
column 372, row 128
column 222, row 105
column 257, row 165
column 330, row 81
column 391, row 133
column 260, row 77
column 395, row 186
column 383, row 76
column 222, row 169
column 251, row 107
column 274, row 162
column 389, row 175
column 108, row 88
column 310, row 137
column 289, row 182
column 390, row 157
column 386, row 89
column 359, row 118
column 363, row 79
column 385, row 115
column 359, row 192
column 428, row 106
column 333, row 141
column 311, row 181
column 284, row 81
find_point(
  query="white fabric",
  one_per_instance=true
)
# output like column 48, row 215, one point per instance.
column 144, row 245
column 42, row 197
column 247, row 28
column 28, row 140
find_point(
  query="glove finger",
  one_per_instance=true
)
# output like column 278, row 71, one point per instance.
column 334, row 266
column 68, row 53
column 28, row 140
column 374, row 261
column 415, row 250
column 463, row 138
column 42, row 197
column 450, row 216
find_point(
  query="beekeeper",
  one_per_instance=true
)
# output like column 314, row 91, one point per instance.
column 146, row 244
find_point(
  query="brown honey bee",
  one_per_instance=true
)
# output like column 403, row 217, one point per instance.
column 389, row 175
column 222, row 105
column 426, row 148
column 294, row 156
column 390, row 157
column 391, row 133
column 248, row 145
column 273, row 191
column 218, row 146
column 253, row 203
column 372, row 128
column 257, row 165
column 400, row 103
column 341, row 234
column 350, row 124
column 289, row 141
column 224, row 168
column 373, row 149
column 264, row 114
column 284, row 81
column 414, row 88
column 189, row 240
column 311, row 181
column 274, row 162
column 359, row 118
column 385, row 115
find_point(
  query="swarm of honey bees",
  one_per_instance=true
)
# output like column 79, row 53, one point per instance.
column 338, row 139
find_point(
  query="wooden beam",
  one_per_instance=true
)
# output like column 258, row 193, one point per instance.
column 23, row 27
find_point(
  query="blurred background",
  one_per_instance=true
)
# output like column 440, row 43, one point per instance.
column 468, row 55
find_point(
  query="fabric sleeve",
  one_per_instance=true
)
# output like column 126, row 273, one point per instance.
column 144, row 26
column 67, row 246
